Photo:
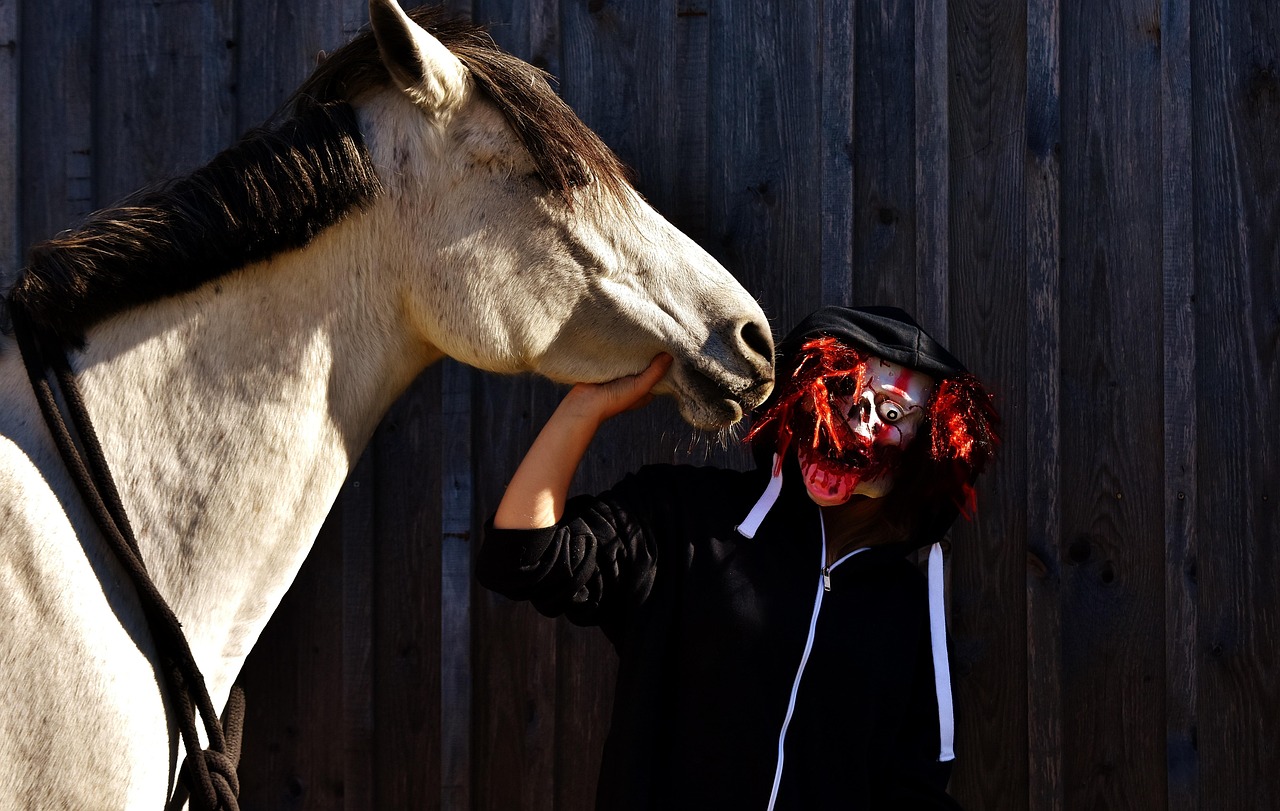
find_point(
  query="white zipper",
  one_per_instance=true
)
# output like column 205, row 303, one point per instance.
column 824, row 586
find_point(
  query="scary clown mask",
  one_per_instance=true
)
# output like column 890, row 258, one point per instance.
column 883, row 415
column 850, row 415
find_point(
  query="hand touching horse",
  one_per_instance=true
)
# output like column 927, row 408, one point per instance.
column 238, row 334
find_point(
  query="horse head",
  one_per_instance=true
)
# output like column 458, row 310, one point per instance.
column 541, row 256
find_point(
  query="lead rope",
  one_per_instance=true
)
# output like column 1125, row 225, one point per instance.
column 212, row 782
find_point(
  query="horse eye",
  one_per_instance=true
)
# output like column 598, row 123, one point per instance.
column 890, row 411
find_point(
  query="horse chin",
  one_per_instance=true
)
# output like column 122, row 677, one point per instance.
column 709, row 405
column 709, row 416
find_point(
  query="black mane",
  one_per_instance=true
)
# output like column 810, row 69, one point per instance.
column 281, row 185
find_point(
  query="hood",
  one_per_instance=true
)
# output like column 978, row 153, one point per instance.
column 892, row 334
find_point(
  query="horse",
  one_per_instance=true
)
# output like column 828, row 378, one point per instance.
column 238, row 333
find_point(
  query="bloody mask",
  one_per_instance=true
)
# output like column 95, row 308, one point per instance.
column 851, row 415
column 880, row 418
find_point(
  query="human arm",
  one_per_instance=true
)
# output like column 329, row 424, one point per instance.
column 535, row 497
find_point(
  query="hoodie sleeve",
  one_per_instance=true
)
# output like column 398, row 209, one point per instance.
column 595, row 566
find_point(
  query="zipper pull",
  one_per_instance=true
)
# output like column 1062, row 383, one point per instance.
column 826, row 578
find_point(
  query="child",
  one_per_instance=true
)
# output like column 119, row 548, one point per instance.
column 777, row 650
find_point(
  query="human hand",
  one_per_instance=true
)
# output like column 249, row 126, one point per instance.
column 601, row 401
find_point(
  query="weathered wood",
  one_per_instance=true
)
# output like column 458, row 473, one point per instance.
column 838, row 71
column 1111, row 419
column 406, row 586
column 10, row 88
column 162, row 90
column 1043, row 370
column 357, row 522
column 295, row 733
column 1180, row 409
column 764, row 198
column 884, row 139
column 932, row 148
column 56, row 58
column 277, row 45
column 1237, row 450
column 456, row 541
column 514, row 647
column 989, row 328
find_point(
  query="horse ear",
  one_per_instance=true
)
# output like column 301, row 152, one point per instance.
column 419, row 64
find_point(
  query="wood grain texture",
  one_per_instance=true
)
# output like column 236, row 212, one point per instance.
column 56, row 61
column 406, row 600
column 293, row 682
column 1045, row 753
column 10, row 94
column 989, row 329
column 932, row 157
column 884, row 141
column 357, row 522
column 514, row 647
column 1237, row 451
column 457, row 517
column 839, row 75
column 1180, row 409
column 162, row 91
column 1111, row 419
column 764, row 200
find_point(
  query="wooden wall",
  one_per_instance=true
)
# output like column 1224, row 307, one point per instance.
column 1080, row 198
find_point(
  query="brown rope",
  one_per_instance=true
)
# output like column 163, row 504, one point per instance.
column 212, row 780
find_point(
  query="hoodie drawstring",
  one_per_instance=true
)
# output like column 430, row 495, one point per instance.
column 751, row 523
column 941, row 664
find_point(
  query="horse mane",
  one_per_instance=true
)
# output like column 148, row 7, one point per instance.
column 282, row 184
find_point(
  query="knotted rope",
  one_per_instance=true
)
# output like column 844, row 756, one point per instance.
column 212, row 780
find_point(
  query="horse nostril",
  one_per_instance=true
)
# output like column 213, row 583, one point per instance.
column 757, row 339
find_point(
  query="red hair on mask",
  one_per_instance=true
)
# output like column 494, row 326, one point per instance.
column 961, row 418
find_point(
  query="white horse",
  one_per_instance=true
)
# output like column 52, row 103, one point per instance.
column 244, row 331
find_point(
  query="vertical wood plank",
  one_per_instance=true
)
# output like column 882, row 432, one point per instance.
column 1180, row 487
column 162, row 93
column 457, row 538
column 56, row 63
column 1043, row 370
column 351, row 764
column 1236, row 51
column 932, row 148
column 764, row 131
column 989, row 330
column 883, row 153
column 837, row 110
column 277, row 45
column 1113, row 502
column 10, row 89
column 280, row 766
column 514, row 648
column 406, row 756
column 686, row 184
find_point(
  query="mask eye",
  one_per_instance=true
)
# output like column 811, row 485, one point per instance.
column 890, row 411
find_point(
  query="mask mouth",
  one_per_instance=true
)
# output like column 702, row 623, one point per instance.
column 832, row 479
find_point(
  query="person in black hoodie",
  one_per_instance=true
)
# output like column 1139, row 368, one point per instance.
column 778, row 649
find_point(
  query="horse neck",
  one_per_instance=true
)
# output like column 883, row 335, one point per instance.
column 230, row 417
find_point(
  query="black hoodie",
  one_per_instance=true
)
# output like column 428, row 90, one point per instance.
column 751, row 676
